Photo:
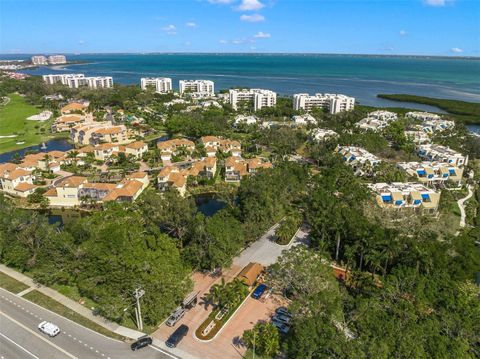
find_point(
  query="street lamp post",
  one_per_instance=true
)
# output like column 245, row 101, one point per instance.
column 139, row 293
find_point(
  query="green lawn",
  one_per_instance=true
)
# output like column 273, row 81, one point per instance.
column 10, row 284
column 51, row 304
column 13, row 121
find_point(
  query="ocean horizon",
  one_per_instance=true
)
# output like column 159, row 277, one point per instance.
column 360, row 76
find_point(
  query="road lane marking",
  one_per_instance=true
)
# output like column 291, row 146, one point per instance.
column 18, row 345
column 38, row 336
column 163, row 351
column 68, row 320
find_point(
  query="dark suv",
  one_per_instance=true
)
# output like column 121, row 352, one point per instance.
column 177, row 336
column 141, row 343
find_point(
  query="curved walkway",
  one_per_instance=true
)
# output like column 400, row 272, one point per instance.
column 461, row 205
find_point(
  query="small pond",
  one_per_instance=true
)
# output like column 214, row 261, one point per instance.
column 60, row 144
column 209, row 204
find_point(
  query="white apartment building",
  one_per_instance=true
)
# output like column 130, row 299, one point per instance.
column 423, row 116
column 383, row 115
column 304, row 119
column 399, row 195
column 376, row 120
column 418, row 137
column 431, row 126
column 334, row 103
column 358, row 158
column 197, row 87
column 259, row 97
column 248, row 120
column 57, row 59
column 100, row 82
column 320, row 134
column 62, row 78
column 438, row 153
column 39, row 60
column 432, row 172
column 161, row 84
column 79, row 80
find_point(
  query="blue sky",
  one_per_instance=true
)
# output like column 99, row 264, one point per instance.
column 423, row 27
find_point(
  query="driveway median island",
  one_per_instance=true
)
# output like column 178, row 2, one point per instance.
column 226, row 298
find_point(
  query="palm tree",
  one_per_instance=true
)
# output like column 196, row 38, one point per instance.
column 270, row 340
column 217, row 293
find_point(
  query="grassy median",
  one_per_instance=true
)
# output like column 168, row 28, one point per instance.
column 51, row 304
column 10, row 284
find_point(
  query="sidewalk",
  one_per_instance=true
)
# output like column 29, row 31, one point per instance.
column 87, row 313
column 461, row 206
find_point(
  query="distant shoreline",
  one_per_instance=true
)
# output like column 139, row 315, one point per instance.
column 413, row 56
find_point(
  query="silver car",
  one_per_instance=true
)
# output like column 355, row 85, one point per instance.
column 176, row 316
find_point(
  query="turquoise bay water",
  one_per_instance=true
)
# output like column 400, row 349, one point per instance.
column 360, row 76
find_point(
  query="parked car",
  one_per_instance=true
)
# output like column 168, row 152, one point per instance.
column 175, row 316
column 141, row 342
column 49, row 328
column 258, row 292
column 177, row 336
column 283, row 311
column 282, row 328
column 281, row 319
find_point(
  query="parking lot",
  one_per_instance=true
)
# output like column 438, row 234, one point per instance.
column 227, row 343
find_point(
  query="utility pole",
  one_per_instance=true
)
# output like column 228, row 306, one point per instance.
column 253, row 343
column 139, row 293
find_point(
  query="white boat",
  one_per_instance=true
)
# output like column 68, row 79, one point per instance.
column 43, row 146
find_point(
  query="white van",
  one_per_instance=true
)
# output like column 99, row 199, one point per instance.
column 49, row 328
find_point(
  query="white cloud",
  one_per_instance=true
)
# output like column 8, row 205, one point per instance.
column 252, row 18
column 187, row 43
column 190, row 24
column 81, row 42
column 253, row 48
column 250, row 5
column 238, row 42
column 223, row 41
column 262, row 35
column 170, row 29
column 456, row 50
column 436, row 3
column 403, row 33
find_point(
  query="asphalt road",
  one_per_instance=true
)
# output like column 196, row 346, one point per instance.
column 20, row 337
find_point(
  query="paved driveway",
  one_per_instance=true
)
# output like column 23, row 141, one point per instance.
column 265, row 251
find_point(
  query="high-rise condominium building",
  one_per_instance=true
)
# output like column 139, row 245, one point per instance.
column 334, row 103
column 39, row 60
column 161, row 84
column 57, row 59
column 197, row 87
column 259, row 97
column 79, row 80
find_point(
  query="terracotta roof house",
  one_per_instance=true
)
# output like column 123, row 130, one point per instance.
column 236, row 167
column 73, row 106
column 213, row 144
column 16, row 181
